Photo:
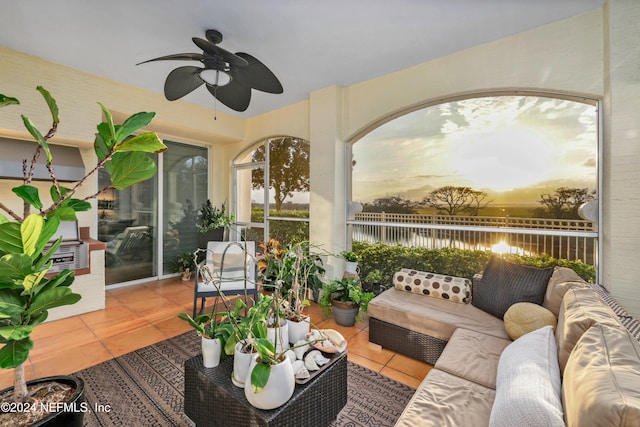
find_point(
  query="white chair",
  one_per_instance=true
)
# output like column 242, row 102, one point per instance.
column 228, row 268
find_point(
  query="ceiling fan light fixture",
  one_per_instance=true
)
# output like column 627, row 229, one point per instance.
column 215, row 78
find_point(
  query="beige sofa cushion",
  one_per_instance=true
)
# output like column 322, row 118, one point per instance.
column 473, row 356
column 602, row 379
column 444, row 400
column 581, row 308
column 431, row 316
column 525, row 317
column 561, row 281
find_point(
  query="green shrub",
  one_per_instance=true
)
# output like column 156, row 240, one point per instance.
column 453, row 262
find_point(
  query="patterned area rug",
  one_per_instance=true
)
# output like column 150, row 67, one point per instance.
column 145, row 388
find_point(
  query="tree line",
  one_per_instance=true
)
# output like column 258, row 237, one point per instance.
column 563, row 203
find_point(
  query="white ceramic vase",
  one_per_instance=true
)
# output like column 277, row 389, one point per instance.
column 241, row 362
column 211, row 351
column 274, row 335
column 298, row 330
column 351, row 267
column 277, row 391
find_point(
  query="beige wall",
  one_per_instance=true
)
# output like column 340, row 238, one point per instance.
column 594, row 54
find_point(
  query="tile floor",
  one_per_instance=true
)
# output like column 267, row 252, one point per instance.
column 140, row 315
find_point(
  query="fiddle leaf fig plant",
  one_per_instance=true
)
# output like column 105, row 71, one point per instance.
column 27, row 291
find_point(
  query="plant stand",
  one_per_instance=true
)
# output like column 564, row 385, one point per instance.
column 210, row 391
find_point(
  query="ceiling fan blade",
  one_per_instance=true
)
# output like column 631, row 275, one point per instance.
column 257, row 75
column 235, row 95
column 177, row 57
column 181, row 81
column 212, row 49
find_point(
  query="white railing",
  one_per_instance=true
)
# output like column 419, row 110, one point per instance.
column 560, row 238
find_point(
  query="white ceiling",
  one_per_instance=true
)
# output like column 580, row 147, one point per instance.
column 308, row 44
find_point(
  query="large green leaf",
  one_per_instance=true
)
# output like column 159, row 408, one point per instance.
column 111, row 134
column 53, row 191
column 65, row 279
column 15, row 333
column 3, row 219
column 31, row 229
column 77, row 205
column 132, row 124
column 10, row 237
column 146, row 142
column 7, row 100
column 37, row 136
column 259, row 376
column 50, row 227
column 15, row 353
column 51, row 298
column 15, row 266
column 53, row 107
column 31, row 281
column 102, row 144
column 48, row 254
column 130, row 168
column 64, row 214
column 29, row 194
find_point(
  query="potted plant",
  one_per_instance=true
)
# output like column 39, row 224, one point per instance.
column 373, row 282
column 346, row 299
column 212, row 223
column 351, row 262
column 183, row 263
column 269, row 264
column 27, row 291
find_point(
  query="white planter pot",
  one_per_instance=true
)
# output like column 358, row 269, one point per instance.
column 298, row 330
column 282, row 343
column 211, row 351
column 351, row 267
column 241, row 362
column 277, row 391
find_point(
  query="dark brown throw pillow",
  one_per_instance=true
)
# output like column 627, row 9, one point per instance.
column 505, row 283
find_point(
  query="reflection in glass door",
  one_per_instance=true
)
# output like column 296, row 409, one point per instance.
column 185, row 172
column 132, row 220
column 127, row 222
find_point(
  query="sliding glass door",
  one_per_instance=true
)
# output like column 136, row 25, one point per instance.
column 147, row 225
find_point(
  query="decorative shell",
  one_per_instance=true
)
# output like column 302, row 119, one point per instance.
column 314, row 360
column 300, row 371
column 301, row 350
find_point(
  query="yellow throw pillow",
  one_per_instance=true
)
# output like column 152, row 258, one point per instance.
column 524, row 317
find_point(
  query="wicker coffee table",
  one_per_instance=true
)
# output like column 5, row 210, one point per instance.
column 211, row 399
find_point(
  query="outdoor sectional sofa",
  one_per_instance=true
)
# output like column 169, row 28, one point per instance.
column 574, row 358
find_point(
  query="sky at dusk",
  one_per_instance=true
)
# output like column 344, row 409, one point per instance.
column 513, row 147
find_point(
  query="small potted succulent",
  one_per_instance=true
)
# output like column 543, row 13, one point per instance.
column 346, row 299
column 373, row 282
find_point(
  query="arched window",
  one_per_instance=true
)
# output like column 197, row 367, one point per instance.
column 493, row 172
column 272, row 190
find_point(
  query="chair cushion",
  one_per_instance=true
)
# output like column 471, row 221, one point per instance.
column 505, row 283
column 581, row 308
column 602, row 378
column 525, row 317
column 450, row 288
column 528, row 391
column 561, row 281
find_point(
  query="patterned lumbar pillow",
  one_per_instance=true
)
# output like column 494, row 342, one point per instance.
column 456, row 289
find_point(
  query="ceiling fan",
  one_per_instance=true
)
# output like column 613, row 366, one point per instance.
column 228, row 76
